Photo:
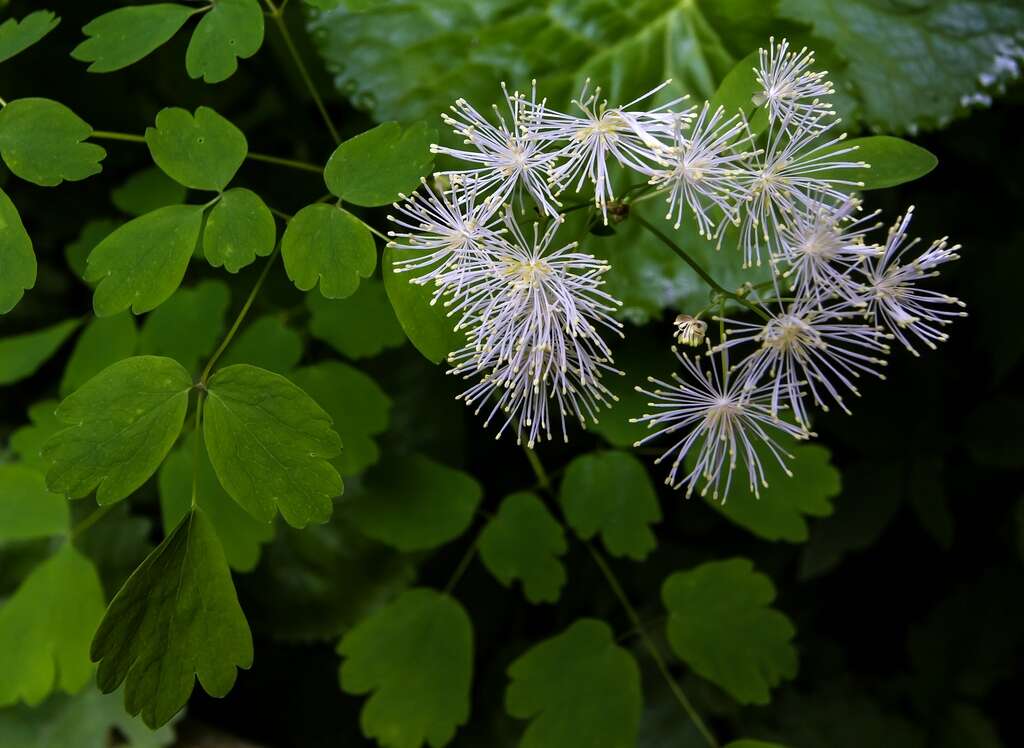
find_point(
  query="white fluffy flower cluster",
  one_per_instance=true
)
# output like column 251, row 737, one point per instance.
column 535, row 315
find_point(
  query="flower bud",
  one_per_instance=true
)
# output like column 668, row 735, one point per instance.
column 689, row 330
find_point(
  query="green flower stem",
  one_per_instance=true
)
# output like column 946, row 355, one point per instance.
column 544, row 482
column 277, row 16
column 86, row 522
column 291, row 163
column 711, row 282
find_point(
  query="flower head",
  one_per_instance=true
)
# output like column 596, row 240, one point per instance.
column 790, row 90
column 690, row 330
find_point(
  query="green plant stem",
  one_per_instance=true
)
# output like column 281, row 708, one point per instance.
column 543, row 481
column 277, row 16
column 95, row 516
column 463, row 564
column 704, row 276
column 198, row 437
column 240, row 318
column 651, row 647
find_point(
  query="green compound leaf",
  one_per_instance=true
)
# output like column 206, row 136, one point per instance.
column 360, row 326
column 124, row 36
column 17, row 36
column 175, row 619
column 240, row 535
column 239, row 229
column 27, row 508
column 232, row 29
column 721, row 625
column 611, row 493
column 119, row 427
column 270, row 445
column 269, row 344
column 41, row 142
column 416, row 657
column 892, row 161
column 523, row 541
column 188, row 326
column 413, row 503
column 374, row 167
column 780, row 513
column 201, row 151
column 145, row 191
column 427, row 326
column 330, row 246
column 21, row 355
column 358, row 406
column 17, row 258
column 104, row 341
column 579, row 689
column 27, row 442
column 140, row 264
column 45, row 628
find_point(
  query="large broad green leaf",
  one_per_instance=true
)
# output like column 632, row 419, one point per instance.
column 523, row 541
column 414, row 503
column 119, row 427
column 21, row 355
column 232, row 29
column 141, row 263
column 610, row 493
column 45, row 628
column 328, row 245
column 358, row 406
column 27, row 508
column 240, row 534
column 175, row 619
column 721, row 625
column 27, row 442
column 41, row 141
column 579, row 689
column 126, row 35
column 270, row 444
column 239, row 229
column 427, row 326
column 375, row 167
column 145, row 191
column 360, row 326
column 188, row 326
column 915, row 64
column 17, row 36
column 891, row 161
column 202, row 150
column 415, row 656
column 17, row 258
column 104, row 341
column 267, row 343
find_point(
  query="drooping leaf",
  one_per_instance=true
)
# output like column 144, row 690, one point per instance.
column 579, row 689
column 269, row 344
column 270, row 445
column 360, row 326
column 141, row 263
column 232, row 29
column 328, row 245
column 358, row 406
column 119, row 427
column 414, row 503
column 176, row 619
column 188, row 326
column 117, row 544
column 201, row 151
column 41, row 142
column 77, row 252
column 27, row 442
column 721, row 625
column 429, row 328
column 415, row 658
column 104, row 341
column 27, row 508
column 891, row 161
column 145, row 191
column 45, row 628
column 17, row 258
column 523, row 541
column 17, row 36
column 21, row 355
column 610, row 493
column 372, row 168
column 239, row 229
column 126, row 35
column 240, row 534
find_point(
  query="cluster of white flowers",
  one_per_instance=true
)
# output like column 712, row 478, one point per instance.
column 533, row 310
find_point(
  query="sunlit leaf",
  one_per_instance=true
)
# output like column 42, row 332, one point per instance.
column 17, row 258
column 41, row 141
column 372, row 168
column 360, row 326
column 126, row 35
column 328, row 245
column 27, row 508
column 202, row 150
column 188, row 326
column 22, row 355
column 104, row 341
column 17, row 36
column 232, row 29
column 239, row 229
column 27, row 442
column 892, row 161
